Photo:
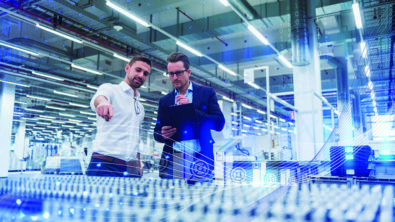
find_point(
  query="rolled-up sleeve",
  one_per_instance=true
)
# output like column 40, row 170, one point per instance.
column 103, row 90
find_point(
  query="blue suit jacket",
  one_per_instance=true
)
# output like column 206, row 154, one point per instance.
column 209, row 117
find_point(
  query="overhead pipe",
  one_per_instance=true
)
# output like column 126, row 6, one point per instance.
column 356, row 109
column 299, row 33
column 244, row 8
column 340, row 63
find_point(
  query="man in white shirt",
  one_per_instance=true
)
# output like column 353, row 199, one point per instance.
column 119, row 117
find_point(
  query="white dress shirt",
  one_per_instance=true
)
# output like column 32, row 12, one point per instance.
column 120, row 136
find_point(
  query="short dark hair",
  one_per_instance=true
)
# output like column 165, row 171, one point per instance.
column 140, row 58
column 178, row 56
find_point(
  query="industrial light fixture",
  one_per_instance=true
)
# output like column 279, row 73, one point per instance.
column 227, row 98
column 127, row 14
column 58, row 121
column 357, row 15
column 258, row 121
column 86, row 69
column 183, row 45
column 258, row 34
column 53, row 127
column 327, row 127
column 224, row 2
column 46, row 117
column 43, row 123
column 20, row 102
column 372, row 95
column 247, row 118
column 79, row 105
column 65, row 94
column 121, row 57
column 227, row 70
column 37, row 127
column 57, row 108
column 58, row 33
column 68, row 115
column 19, row 49
column 367, row 71
column 13, row 83
column 253, row 85
column 246, row 106
column 362, row 45
column 163, row 93
column 117, row 27
column 370, row 85
column 92, row 87
column 34, row 110
column 46, row 75
column 39, row 98
column 90, row 118
column 285, row 61
column 261, row 112
column 87, row 113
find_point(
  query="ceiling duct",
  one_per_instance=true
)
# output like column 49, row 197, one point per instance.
column 244, row 8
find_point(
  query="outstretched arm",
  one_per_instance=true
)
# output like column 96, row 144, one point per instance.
column 103, row 107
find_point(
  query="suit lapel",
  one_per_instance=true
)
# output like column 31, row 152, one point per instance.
column 195, row 94
column 171, row 100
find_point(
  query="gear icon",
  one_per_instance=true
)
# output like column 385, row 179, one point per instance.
column 238, row 175
column 199, row 169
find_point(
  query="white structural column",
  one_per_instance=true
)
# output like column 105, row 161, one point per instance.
column 19, row 146
column 20, row 140
column 307, row 80
column 7, row 98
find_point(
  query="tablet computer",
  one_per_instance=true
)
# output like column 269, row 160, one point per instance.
column 183, row 118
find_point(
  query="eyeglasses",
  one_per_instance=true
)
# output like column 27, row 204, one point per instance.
column 177, row 73
column 136, row 107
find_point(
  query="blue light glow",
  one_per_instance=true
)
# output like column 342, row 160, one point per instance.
column 46, row 215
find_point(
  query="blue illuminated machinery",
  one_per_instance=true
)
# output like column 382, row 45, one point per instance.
column 350, row 161
column 28, row 197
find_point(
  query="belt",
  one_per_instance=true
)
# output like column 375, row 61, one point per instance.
column 112, row 159
column 131, row 166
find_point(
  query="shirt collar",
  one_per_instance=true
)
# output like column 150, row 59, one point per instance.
column 190, row 89
column 126, row 88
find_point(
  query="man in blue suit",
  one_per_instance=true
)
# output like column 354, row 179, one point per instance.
column 196, row 154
